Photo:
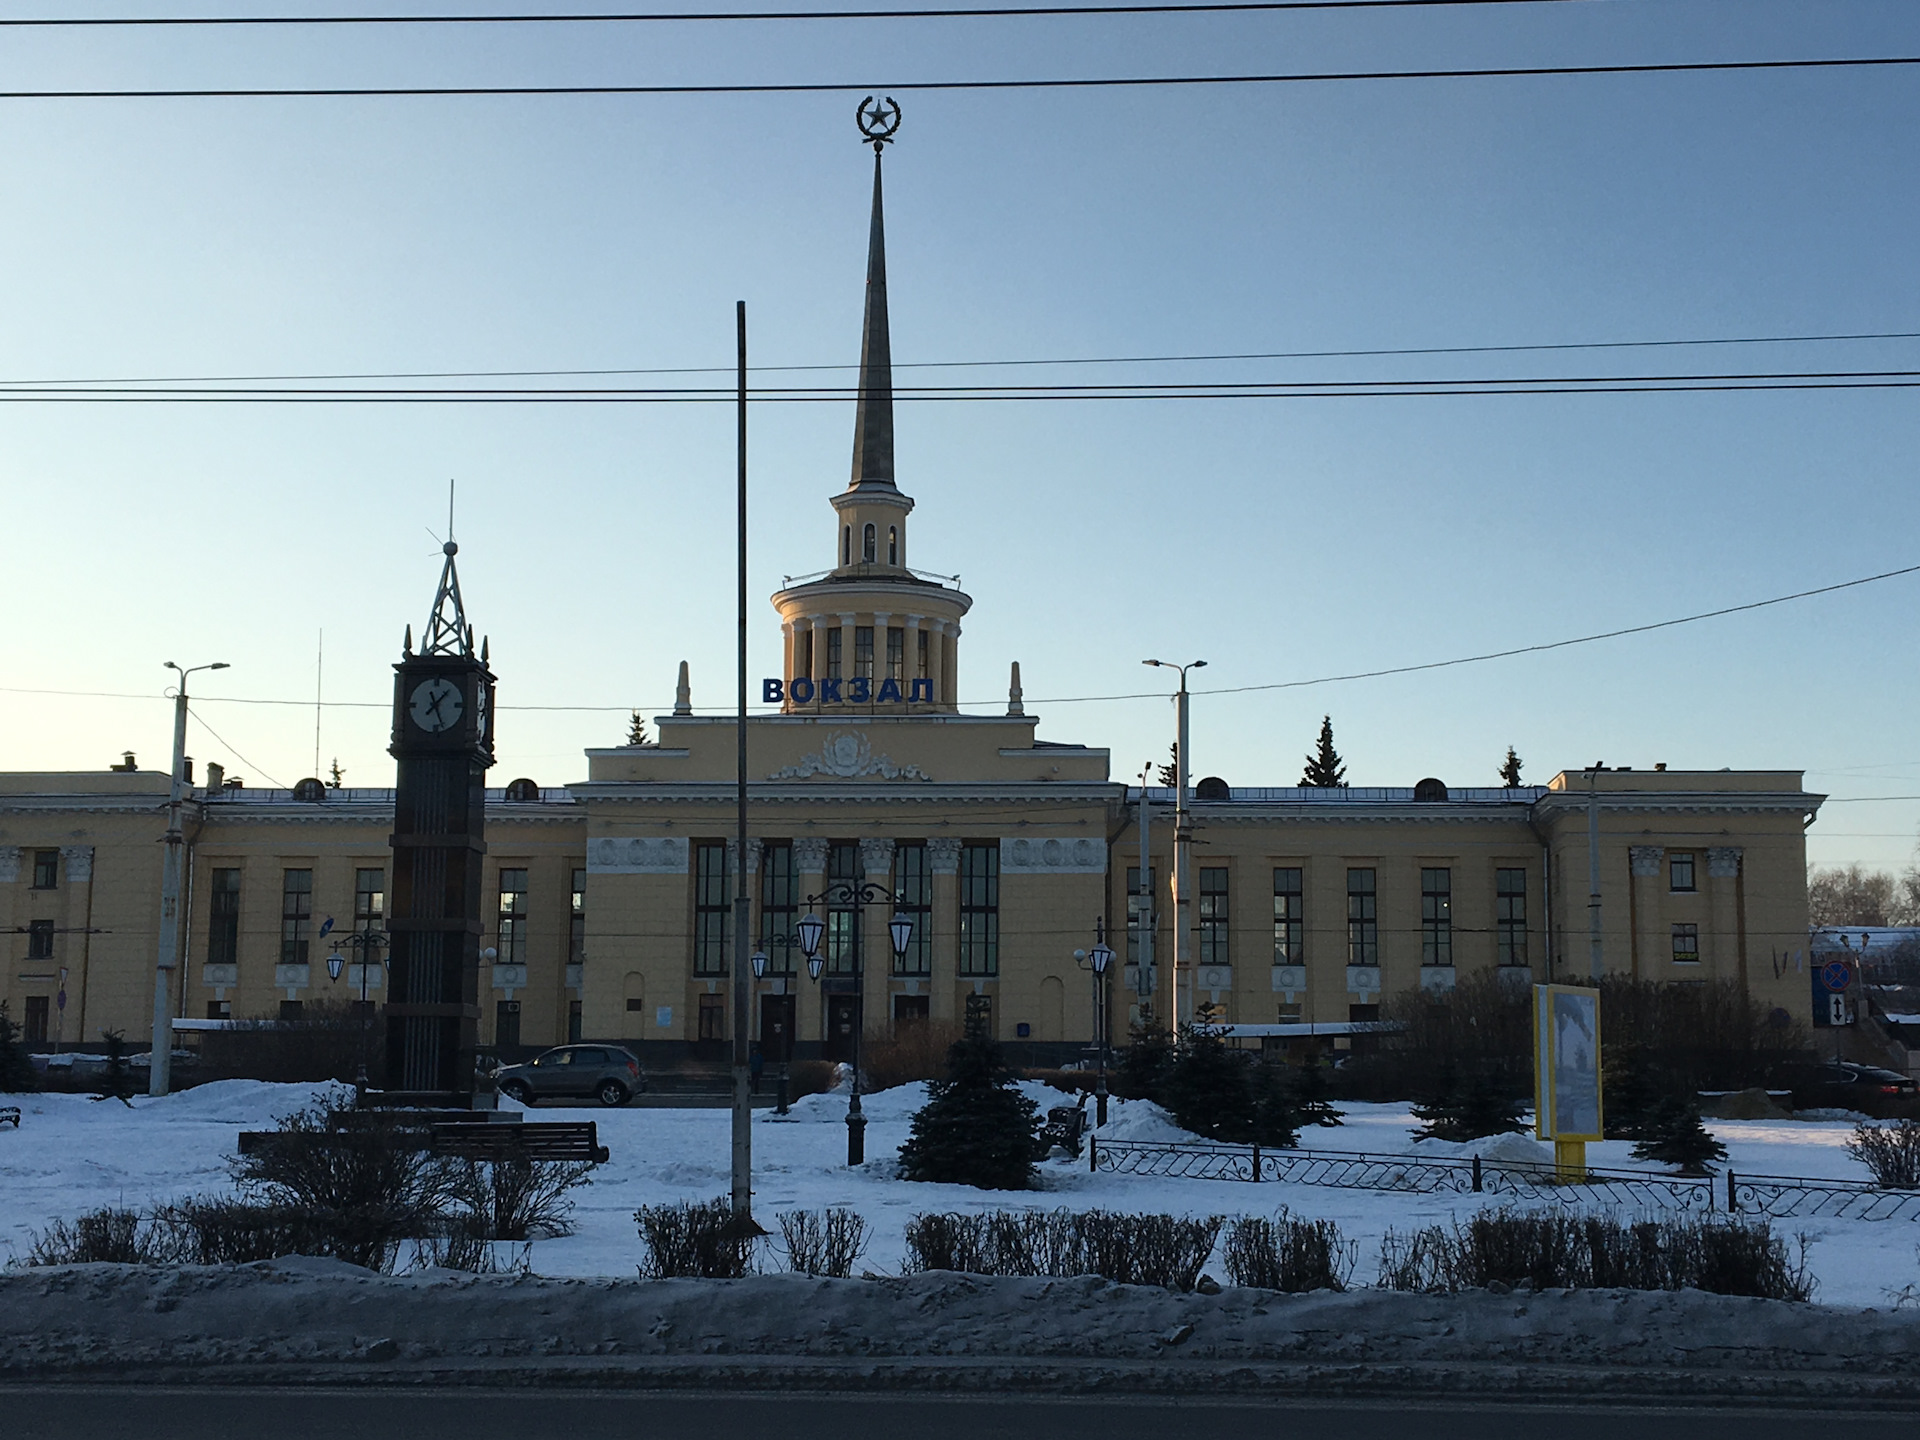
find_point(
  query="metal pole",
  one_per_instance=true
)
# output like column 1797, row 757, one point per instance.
column 1144, row 960
column 161, row 1065
column 856, row 1121
column 1595, row 963
column 1182, row 856
column 742, row 1197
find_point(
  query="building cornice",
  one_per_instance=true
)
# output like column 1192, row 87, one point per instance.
column 916, row 793
column 1561, row 804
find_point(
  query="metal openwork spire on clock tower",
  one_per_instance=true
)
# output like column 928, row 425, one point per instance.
column 442, row 745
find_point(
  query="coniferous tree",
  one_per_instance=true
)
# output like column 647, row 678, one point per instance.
column 1467, row 1103
column 117, row 1083
column 1630, row 1089
column 976, row 1128
column 637, row 730
column 16, row 1068
column 1673, row 1135
column 1222, row 1094
column 1510, row 769
column 1170, row 772
column 1325, row 769
column 1313, row 1096
column 1142, row 1069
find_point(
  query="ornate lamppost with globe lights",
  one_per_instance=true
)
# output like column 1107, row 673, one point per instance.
column 810, row 929
column 1098, row 960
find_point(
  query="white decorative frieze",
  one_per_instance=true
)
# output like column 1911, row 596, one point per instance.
column 810, row 855
column 1723, row 861
column 1289, row 978
column 943, row 855
column 1024, row 856
column 848, row 755
column 9, row 864
column 637, row 855
column 220, row 977
column 79, row 863
column 876, row 857
column 1436, row 979
column 1216, row 977
column 291, row 978
column 1644, row 860
column 1363, row 980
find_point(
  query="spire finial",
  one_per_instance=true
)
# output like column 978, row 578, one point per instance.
column 683, row 693
column 873, row 419
column 447, row 631
column 1014, row 706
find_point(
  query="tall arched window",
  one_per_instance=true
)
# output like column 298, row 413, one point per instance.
column 893, row 544
column 869, row 545
column 846, row 545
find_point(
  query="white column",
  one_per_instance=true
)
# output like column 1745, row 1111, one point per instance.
column 936, row 643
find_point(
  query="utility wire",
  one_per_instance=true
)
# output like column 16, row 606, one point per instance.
column 974, row 364
column 260, row 769
column 682, row 16
column 834, row 87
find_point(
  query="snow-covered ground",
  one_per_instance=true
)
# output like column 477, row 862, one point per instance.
column 74, row 1154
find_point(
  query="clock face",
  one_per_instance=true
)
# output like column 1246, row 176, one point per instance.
column 436, row 705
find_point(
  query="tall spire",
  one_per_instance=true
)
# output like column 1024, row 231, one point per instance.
column 873, row 420
column 447, row 631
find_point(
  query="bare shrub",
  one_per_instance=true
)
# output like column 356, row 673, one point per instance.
column 327, row 1042
column 518, row 1198
column 1164, row 1250
column 824, row 1242
column 111, row 1236
column 809, row 1077
column 1289, row 1254
column 1891, row 1152
column 693, row 1240
column 211, row 1230
column 917, row 1051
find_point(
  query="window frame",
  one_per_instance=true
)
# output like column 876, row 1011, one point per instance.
column 1363, row 916
column 1436, row 915
column 511, row 916
column 710, row 1018
column 296, row 915
column 40, row 939
column 1289, row 914
column 1139, row 902
column 1510, row 915
column 369, row 913
column 1214, row 917
column 913, row 897
column 712, row 906
column 1677, row 861
column 979, row 909
column 577, row 916
column 223, row 917
column 1687, row 935
column 779, row 905
column 46, row 870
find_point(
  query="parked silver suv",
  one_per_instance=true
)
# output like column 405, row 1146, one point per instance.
column 605, row 1072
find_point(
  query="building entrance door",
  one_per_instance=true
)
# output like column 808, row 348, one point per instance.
column 841, row 1013
column 776, row 1028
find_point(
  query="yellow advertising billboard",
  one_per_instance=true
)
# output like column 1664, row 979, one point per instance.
column 1566, row 1063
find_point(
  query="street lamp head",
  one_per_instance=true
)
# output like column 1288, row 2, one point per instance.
column 759, row 962
column 814, row 962
column 1102, row 956
column 1157, row 664
column 811, row 928
column 219, row 665
column 335, row 963
column 1197, row 665
column 900, row 929
column 489, row 953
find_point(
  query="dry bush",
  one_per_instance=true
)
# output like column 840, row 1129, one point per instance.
column 1289, row 1254
column 809, row 1077
column 519, row 1199
column 693, row 1240
column 824, row 1242
column 917, row 1051
column 111, row 1236
column 1891, row 1152
column 323, row 1044
column 1164, row 1250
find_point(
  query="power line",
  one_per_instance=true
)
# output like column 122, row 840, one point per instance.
column 684, row 16
column 977, row 364
column 229, row 747
column 835, row 87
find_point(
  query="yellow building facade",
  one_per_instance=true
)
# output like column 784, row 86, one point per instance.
column 609, row 898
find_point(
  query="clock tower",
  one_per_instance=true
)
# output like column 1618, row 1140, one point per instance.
column 443, row 745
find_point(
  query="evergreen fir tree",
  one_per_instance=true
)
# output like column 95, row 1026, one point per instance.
column 1142, row 1070
column 1467, row 1104
column 16, row 1069
column 636, row 730
column 117, row 1083
column 1313, row 1096
column 1630, row 1090
column 1276, row 1117
column 1208, row 1089
column 976, row 1127
column 1510, row 769
column 1673, row 1135
column 1325, row 769
column 1170, row 772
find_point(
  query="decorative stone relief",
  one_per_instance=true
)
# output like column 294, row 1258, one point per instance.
column 9, row 864
column 810, row 855
column 1723, row 861
column 848, row 755
column 79, row 860
column 1023, row 856
column 943, row 855
column 1363, row 979
column 637, row 855
column 876, row 858
column 754, row 850
column 1289, row 978
column 1644, row 860
column 1436, row 979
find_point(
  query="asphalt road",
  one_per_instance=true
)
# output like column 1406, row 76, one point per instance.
column 86, row 1413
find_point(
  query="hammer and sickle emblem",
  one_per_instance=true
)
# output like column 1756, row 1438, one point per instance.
column 878, row 119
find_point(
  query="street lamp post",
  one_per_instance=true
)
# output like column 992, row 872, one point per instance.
column 1182, row 836
column 160, row 1064
column 1098, row 959
column 369, row 943
column 810, row 929
column 759, row 962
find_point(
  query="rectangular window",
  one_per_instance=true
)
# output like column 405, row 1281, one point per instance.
column 506, row 1025
column 1680, row 870
column 36, row 1018
column 779, row 906
column 296, row 918
column 1436, row 917
column 1139, row 902
column 710, row 906
column 577, row 920
column 896, row 651
column 713, row 1017
column 513, row 917
column 843, row 872
column 833, row 653
column 219, row 1009
column 291, row 1011
column 1213, row 916
column 223, row 918
column 1686, row 944
column 980, row 909
column 1510, row 915
column 863, row 652
column 46, row 869
column 1289, row 916
column 40, row 940
column 803, row 662
column 1288, row 1013
column 369, row 898
column 913, row 898
column 1363, row 921
column 920, row 663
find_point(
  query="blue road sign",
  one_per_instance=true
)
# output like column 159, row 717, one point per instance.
column 1836, row 976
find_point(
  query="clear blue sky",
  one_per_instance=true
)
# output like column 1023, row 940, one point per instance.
column 1279, row 540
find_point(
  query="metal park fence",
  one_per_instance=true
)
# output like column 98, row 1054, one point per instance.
column 1778, row 1196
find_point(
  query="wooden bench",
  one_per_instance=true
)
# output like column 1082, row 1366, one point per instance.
column 465, row 1139
column 10, row 1115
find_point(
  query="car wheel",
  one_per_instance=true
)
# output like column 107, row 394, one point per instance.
column 517, row 1090
column 611, row 1093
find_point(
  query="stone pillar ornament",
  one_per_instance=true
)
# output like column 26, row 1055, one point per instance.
column 1014, row 706
column 9, row 864
column 1723, row 861
column 78, row 860
column 810, row 856
column 683, row 693
column 876, row 859
column 1644, row 860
